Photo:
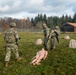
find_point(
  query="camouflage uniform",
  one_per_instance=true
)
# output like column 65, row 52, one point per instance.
column 11, row 45
column 46, row 32
column 54, row 37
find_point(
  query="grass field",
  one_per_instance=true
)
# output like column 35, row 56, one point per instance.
column 60, row 62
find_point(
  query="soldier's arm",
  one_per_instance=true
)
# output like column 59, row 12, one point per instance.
column 51, row 33
column 16, row 35
column 48, row 33
column 4, row 35
column 56, row 32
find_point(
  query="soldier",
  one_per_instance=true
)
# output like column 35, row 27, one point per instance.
column 46, row 33
column 54, row 37
column 11, row 37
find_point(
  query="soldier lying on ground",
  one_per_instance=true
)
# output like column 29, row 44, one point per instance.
column 42, row 54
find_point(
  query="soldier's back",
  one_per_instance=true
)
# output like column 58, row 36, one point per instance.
column 10, row 35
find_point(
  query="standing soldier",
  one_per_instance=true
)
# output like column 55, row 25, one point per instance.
column 11, row 37
column 46, row 33
column 54, row 37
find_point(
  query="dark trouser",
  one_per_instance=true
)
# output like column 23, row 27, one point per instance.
column 45, row 43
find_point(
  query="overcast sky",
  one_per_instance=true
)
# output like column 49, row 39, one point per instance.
column 31, row 8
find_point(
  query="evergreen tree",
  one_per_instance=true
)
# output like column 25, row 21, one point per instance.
column 45, row 18
column 74, row 18
column 50, row 22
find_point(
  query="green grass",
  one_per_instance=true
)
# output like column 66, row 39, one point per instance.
column 60, row 62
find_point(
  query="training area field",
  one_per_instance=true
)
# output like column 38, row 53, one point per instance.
column 60, row 62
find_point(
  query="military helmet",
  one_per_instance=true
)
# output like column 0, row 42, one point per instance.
column 44, row 25
column 13, row 24
column 57, row 27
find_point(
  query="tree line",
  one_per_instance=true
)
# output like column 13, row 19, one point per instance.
column 37, row 22
column 52, row 21
column 20, row 23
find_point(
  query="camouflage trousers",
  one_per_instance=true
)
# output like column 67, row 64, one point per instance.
column 45, row 43
column 53, row 43
column 9, row 48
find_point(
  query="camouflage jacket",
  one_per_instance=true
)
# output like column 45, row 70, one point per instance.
column 46, row 32
column 11, row 35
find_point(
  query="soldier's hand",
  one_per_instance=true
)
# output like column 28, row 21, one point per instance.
column 19, row 38
column 49, row 37
column 46, row 36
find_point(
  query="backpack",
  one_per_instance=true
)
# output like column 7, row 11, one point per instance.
column 10, row 36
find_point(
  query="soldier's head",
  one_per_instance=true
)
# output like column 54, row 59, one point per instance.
column 56, row 27
column 12, row 24
column 44, row 25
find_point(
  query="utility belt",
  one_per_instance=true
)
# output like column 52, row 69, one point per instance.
column 10, row 44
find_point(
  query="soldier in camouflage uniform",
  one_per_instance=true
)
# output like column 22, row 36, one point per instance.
column 11, row 37
column 54, row 37
column 46, row 33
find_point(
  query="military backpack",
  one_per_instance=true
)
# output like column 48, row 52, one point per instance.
column 10, row 36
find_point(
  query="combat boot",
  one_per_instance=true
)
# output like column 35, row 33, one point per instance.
column 6, row 64
column 18, row 59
